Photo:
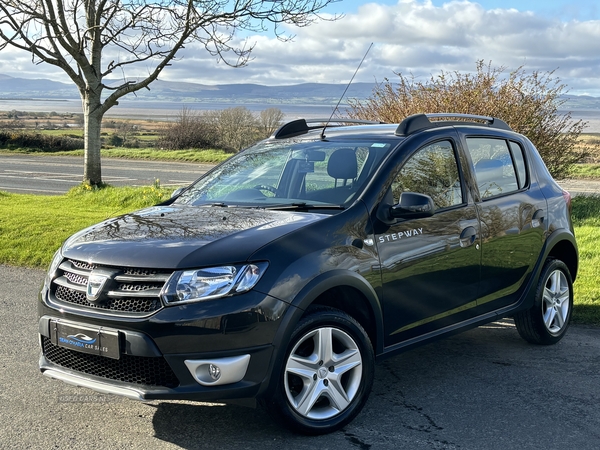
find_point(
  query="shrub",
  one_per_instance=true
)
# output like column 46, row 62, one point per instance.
column 115, row 140
column 270, row 120
column 39, row 142
column 231, row 129
column 529, row 103
column 235, row 128
column 188, row 131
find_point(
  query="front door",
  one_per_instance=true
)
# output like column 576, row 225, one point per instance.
column 430, row 266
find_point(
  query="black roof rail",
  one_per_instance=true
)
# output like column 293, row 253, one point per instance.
column 301, row 126
column 419, row 122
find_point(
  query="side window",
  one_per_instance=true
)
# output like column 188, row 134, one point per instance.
column 494, row 169
column 433, row 171
column 519, row 160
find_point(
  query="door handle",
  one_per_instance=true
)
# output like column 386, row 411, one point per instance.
column 467, row 237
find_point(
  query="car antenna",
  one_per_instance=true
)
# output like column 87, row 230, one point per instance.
column 344, row 93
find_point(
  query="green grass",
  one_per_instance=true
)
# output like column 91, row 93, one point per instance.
column 146, row 137
column 71, row 132
column 585, row 171
column 208, row 156
column 33, row 227
column 586, row 219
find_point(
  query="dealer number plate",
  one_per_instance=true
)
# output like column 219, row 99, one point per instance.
column 85, row 339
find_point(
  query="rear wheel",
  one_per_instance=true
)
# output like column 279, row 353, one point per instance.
column 327, row 373
column 547, row 321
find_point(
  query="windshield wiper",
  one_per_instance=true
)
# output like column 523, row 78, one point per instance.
column 220, row 204
column 304, row 206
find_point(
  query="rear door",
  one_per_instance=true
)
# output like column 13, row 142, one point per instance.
column 512, row 211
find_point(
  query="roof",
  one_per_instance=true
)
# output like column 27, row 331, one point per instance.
column 410, row 125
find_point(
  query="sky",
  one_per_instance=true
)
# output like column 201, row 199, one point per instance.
column 418, row 37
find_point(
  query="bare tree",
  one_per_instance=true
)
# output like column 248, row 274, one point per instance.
column 188, row 130
column 91, row 39
column 236, row 128
column 269, row 120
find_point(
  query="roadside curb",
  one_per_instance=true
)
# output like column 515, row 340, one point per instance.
column 581, row 187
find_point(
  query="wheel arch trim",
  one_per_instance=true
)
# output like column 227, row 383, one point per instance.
column 558, row 237
column 342, row 278
column 306, row 297
column 562, row 240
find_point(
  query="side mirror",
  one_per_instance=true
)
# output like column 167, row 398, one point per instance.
column 413, row 206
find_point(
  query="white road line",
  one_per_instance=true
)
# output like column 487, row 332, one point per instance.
column 39, row 178
column 110, row 164
column 44, row 173
column 47, row 178
column 52, row 174
column 11, row 188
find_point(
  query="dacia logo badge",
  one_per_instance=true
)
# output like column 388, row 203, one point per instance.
column 95, row 285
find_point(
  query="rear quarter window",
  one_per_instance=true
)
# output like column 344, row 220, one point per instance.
column 519, row 160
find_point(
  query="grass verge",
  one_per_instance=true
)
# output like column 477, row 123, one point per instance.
column 586, row 219
column 585, row 171
column 33, row 227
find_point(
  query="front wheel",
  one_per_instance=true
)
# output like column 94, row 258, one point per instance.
column 327, row 373
column 546, row 322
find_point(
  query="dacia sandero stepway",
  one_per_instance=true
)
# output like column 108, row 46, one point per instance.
column 281, row 275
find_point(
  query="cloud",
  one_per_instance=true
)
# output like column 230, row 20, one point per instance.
column 410, row 36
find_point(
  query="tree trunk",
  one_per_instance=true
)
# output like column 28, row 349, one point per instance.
column 92, row 116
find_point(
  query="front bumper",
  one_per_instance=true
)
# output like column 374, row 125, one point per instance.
column 185, row 386
column 166, row 356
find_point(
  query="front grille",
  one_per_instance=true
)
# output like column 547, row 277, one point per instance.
column 82, row 265
column 132, row 305
column 129, row 369
column 130, row 291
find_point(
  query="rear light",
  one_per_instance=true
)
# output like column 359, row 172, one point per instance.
column 567, row 197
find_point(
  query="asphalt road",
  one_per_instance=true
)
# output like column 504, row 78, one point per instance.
column 54, row 175
column 483, row 389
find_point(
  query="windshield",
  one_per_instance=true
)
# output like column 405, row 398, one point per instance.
column 290, row 173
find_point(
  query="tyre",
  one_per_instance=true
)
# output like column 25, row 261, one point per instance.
column 547, row 321
column 327, row 373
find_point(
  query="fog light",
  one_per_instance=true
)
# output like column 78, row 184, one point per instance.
column 218, row 371
column 214, row 372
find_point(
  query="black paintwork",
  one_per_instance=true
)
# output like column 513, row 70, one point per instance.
column 405, row 280
column 181, row 236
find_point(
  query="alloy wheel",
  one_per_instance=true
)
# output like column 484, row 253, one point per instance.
column 555, row 301
column 323, row 373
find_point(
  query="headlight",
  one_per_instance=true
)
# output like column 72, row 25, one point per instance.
column 56, row 260
column 214, row 282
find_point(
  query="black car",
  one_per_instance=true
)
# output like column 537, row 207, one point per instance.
column 280, row 276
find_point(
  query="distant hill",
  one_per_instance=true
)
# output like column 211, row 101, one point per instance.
column 171, row 91
column 581, row 102
column 14, row 88
column 180, row 92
